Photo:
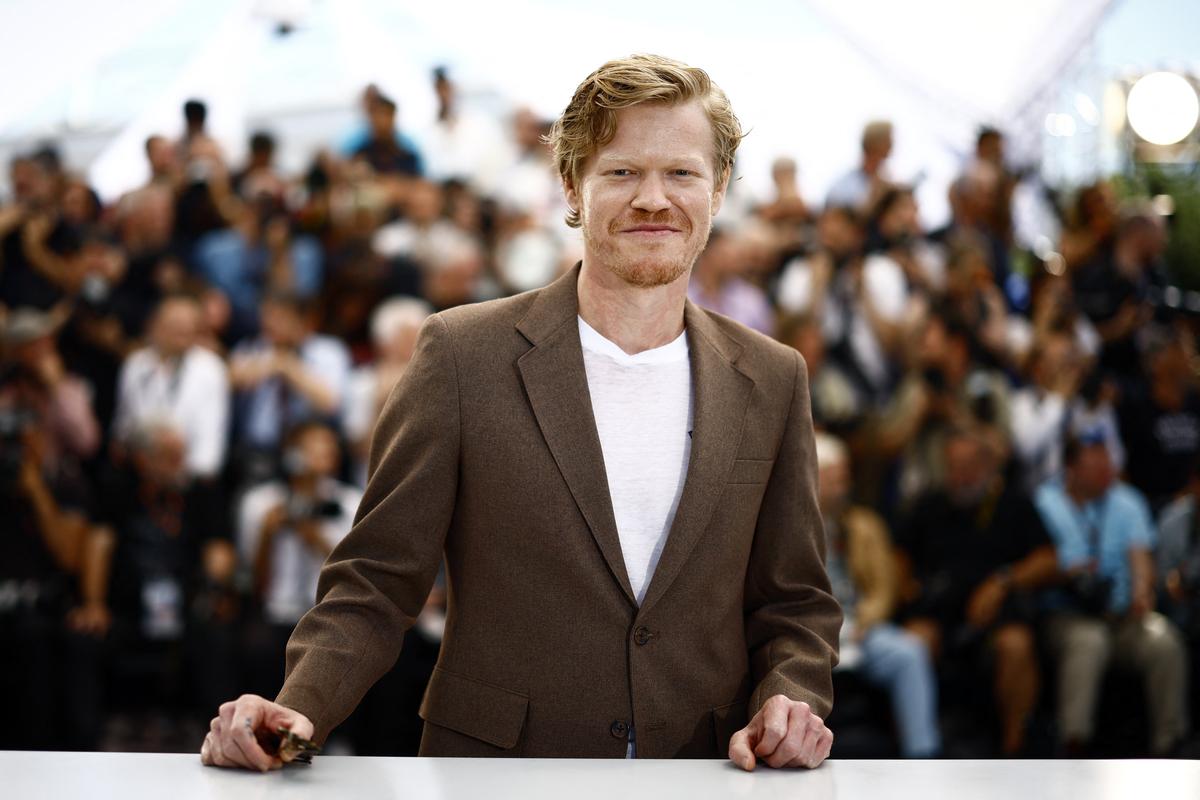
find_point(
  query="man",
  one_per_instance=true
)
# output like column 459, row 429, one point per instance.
column 622, row 483
column 287, row 375
column 1104, row 537
column 972, row 553
column 176, row 378
column 861, row 186
column 286, row 529
column 863, row 573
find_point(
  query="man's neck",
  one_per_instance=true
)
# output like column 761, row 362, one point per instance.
column 1078, row 497
column 633, row 318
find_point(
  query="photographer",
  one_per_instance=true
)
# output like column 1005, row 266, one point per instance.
column 1104, row 535
column 286, row 375
column 971, row 555
column 45, row 545
column 286, row 530
column 171, row 590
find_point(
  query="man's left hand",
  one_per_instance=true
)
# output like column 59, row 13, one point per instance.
column 784, row 733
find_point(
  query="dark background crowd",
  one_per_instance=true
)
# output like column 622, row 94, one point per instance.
column 1008, row 441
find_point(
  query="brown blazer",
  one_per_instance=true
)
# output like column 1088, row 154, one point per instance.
column 487, row 452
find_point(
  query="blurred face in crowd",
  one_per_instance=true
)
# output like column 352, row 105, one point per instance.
column 425, row 202
column 1057, row 357
column 721, row 258
column 647, row 198
column 991, row 149
column 176, row 327
column 161, row 460
column 969, row 470
column 527, row 130
column 878, row 146
column 838, row 233
column 31, row 182
column 783, row 174
column 161, row 155
column 319, row 450
column 966, row 273
column 810, row 343
column 382, row 119
column 283, row 325
column 400, row 346
column 833, row 486
column 1092, row 473
column 900, row 220
column 1170, row 365
column 78, row 205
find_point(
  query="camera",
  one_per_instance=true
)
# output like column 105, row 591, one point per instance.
column 13, row 424
column 1091, row 593
column 301, row 508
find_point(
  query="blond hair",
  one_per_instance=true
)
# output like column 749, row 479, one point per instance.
column 589, row 121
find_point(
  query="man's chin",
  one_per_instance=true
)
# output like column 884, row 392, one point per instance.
column 650, row 275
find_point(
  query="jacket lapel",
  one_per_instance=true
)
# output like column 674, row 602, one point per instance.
column 721, row 395
column 555, row 380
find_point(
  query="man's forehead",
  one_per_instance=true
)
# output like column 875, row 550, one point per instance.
column 677, row 130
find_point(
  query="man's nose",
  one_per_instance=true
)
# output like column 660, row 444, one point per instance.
column 651, row 195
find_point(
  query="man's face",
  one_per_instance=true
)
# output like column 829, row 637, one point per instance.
column 647, row 198
column 968, row 471
column 161, row 156
column 176, row 327
column 320, row 450
column 833, row 486
column 282, row 325
column 1093, row 471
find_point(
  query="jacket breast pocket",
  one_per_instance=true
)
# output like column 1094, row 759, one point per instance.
column 473, row 708
column 750, row 470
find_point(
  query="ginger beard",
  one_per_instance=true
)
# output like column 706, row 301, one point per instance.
column 650, row 263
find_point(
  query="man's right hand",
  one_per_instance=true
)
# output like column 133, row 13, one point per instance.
column 231, row 740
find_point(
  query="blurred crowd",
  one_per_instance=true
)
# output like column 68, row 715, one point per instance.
column 1008, row 445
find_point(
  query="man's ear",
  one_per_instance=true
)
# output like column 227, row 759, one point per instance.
column 719, row 191
column 570, row 194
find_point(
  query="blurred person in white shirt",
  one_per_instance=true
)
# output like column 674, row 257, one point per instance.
column 286, row 529
column 177, row 379
column 394, row 327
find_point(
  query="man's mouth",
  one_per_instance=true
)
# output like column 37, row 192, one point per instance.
column 650, row 230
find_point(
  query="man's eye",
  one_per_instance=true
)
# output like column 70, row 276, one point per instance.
column 620, row 173
column 684, row 172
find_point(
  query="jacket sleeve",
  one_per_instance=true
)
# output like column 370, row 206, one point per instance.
column 792, row 620
column 376, row 580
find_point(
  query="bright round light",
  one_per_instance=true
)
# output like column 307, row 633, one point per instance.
column 1162, row 107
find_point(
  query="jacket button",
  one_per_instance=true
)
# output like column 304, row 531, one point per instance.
column 642, row 635
column 619, row 729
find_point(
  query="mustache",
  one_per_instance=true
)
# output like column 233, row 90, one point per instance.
column 666, row 218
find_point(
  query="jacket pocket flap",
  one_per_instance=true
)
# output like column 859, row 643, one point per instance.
column 751, row 470
column 473, row 708
column 728, row 720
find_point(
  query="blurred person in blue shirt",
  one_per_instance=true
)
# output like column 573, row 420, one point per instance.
column 1104, row 537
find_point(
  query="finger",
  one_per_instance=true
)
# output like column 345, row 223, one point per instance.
column 248, row 714
column 789, row 750
column 826, row 746
column 740, row 750
column 244, row 740
column 215, row 751
column 774, row 727
column 798, row 742
column 205, row 752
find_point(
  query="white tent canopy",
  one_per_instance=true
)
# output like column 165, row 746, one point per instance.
column 803, row 77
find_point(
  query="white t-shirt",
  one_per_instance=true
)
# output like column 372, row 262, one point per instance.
column 643, row 409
